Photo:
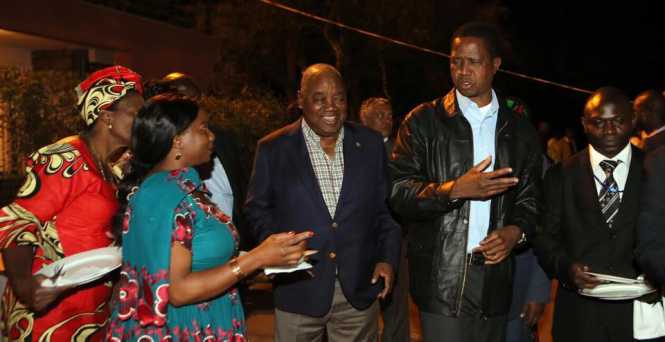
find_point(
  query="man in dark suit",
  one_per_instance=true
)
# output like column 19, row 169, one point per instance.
column 531, row 286
column 651, row 223
column 324, row 175
column 650, row 111
column 588, row 225
column 377, row 113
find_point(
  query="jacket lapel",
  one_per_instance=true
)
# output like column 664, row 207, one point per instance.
column 352, row 168
column 302, row 165
column 586, row 189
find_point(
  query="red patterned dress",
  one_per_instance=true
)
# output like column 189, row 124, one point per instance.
column 63, row 208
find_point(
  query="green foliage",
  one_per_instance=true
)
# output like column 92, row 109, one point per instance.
column 249, row 116
column 38, row 108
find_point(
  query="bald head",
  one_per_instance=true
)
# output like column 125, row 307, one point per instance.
column 377, row 114
column 608, row 121
column 314, row 71
column 649, row 107
column 322, row 99
column 182, row 84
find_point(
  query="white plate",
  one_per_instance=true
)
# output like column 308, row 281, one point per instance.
column 615, row 279
column 82, row 268
column 618, row 291
column 288, row 269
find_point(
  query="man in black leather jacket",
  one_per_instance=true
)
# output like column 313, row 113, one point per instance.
column 466, row 177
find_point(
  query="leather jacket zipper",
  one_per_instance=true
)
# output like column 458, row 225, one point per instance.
column 464, row 271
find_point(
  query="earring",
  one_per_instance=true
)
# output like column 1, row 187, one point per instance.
column 178, row 156
column 110, row 126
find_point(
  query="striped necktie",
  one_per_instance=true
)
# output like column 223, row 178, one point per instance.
column 609, row 193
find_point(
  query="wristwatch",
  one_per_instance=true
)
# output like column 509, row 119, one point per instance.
column 522, row 239
column 454, row 201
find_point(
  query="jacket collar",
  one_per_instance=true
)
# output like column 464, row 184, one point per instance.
column 353, row 165
column 451, row 110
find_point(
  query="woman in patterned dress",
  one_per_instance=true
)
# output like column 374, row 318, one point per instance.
column 180, row 252
column 65, row 207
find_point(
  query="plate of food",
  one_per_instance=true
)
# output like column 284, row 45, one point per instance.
column 81, row 268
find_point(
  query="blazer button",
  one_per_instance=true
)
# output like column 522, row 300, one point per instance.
column 334, row 225
column 332, row 255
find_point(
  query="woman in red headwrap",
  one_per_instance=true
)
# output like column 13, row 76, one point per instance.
column 65, row 207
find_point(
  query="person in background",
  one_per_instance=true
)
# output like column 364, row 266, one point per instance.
column 649, row 108
column 531, row 286
column 559, row 146
column 377, row 113
column 66, row 207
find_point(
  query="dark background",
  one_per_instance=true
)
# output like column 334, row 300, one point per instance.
column 587, row 44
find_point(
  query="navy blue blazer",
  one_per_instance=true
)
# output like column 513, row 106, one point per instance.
column 284, row 195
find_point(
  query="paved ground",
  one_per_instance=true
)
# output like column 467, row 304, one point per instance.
column 260, row 316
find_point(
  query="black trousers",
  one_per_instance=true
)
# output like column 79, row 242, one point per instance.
column 472, row 325
column 395, row 308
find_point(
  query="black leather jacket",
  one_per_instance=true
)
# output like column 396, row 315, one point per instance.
column 434, row 147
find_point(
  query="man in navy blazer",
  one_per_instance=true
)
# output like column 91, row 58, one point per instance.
column 323, row 174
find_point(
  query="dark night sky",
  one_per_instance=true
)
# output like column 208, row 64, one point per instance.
column 585, row 45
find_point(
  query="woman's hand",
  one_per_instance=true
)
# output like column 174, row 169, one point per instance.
column 38, row 297
column 27, row 288
column 189, row 287
column 283, row 249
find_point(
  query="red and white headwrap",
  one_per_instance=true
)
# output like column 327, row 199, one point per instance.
column 104, row 87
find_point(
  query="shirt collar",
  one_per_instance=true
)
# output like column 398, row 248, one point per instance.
column 624, row 156
column 656, row 132
column 312, row 137
column 467, row 106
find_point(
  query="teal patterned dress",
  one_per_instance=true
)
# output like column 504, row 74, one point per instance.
column 173, row 208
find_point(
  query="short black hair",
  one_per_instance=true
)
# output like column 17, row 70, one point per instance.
column 485, row 31
column 159, row 121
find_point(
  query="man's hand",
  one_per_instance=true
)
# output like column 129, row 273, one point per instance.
column 581, row 279
column 499, row 243
column 385, row 271
column 479, row 185
column 531, row 312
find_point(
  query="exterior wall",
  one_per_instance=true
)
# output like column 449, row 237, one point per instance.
column 14, row 56
column 150, row 47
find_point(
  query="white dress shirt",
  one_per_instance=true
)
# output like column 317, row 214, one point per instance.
column 620, row 172
column 483, row 128
column 219, row 186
